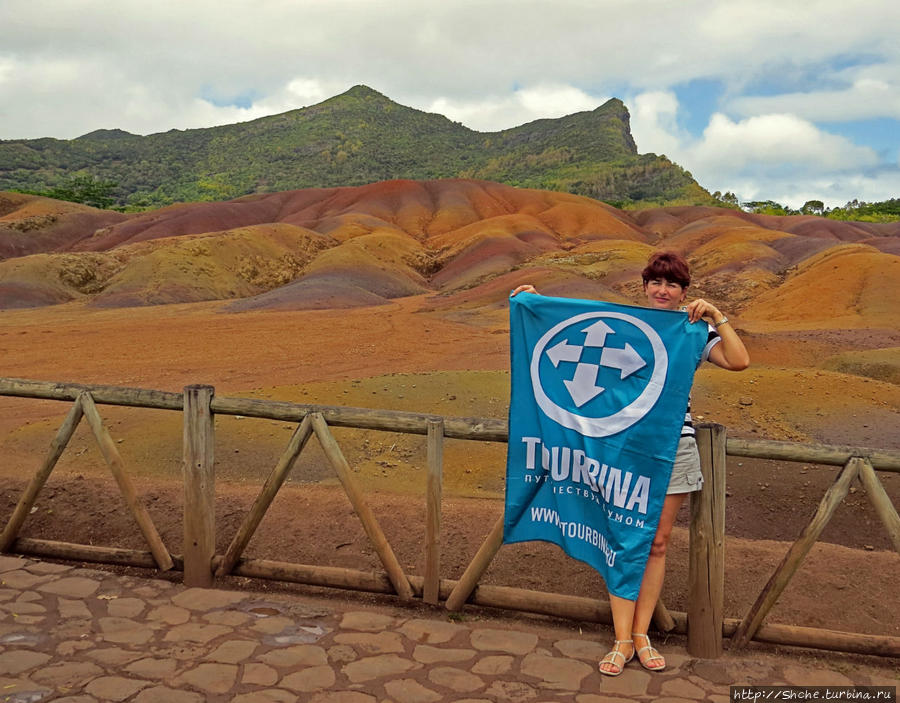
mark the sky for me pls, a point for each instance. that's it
(770, 99)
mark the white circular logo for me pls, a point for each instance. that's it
(579, 373)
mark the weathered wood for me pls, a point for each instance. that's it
(831, 454)
(484, 429)
(662, 618)
(474, 428)
(114, 461)
(795, 555)
(505, 597)
(477, 567)
(314, 575)
(274, 482)
(706, 566)
(433, 483)
(880, 500)
(103, 395)
(556, 605)
(816, 638)
(86, 552)
(199, 475)
(29, 496)
(370, 524)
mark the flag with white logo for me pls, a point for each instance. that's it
(599, 392)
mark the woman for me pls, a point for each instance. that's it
(666, 279)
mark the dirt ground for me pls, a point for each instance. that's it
(400, 357)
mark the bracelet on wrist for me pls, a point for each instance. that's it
(721, 322)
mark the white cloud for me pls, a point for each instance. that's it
(6, 69)
(782, 139)
(654, 123)
(460, 51)
(519, 107)
(773, 157)
(866, 98)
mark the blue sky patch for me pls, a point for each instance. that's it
(242, 100)
(879, 133)
(697, 100)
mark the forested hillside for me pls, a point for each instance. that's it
(355, 138)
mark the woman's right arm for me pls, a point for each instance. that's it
(524, 288)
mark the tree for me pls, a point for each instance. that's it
(768, 207)
(85, 189)
(813, 207)
(730, 198)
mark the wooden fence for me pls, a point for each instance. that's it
(703, 623)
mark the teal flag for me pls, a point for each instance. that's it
(598, 397)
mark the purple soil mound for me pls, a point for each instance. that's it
(22, 295)
(313, 293)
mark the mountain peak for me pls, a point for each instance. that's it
(107, 134)
(363, 92)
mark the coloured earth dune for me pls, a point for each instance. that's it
(343, 247)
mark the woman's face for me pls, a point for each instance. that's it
(664, 294)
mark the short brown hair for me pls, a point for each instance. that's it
(669, 265)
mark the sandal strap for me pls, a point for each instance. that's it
(651, 650)
(610, 657)
(654, 652)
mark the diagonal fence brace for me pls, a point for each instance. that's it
(29, 496)
(796, 554)
(281, 471)
(382, 547)
(114, 461)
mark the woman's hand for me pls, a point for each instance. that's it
(701, 308)
(730, 353)
(524, 288)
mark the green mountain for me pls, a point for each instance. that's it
(355, 138)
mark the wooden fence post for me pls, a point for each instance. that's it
(706, 567)
(433, 489)
(199, 487)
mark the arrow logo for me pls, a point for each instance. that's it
(564, 352)
(596, 334)
(583, 386)
(627, 360)
(589, 408)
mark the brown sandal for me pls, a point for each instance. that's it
(654, 654)
(610, 658)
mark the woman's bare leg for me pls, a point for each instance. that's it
(623, 618)
(655, 571)
(634, 616)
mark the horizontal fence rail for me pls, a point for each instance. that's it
(703, 623)
(485, 429)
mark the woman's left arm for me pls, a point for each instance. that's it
(730, 353)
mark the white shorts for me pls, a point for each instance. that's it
(686, 475)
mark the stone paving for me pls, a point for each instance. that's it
(78, 635)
